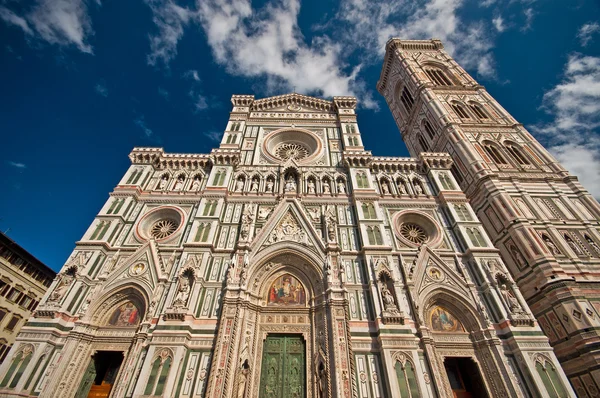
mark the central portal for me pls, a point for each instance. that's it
(283, 367)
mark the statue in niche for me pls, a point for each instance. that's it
(401, 187)
(510, 300)
(196, 184)
(163, 183)
(385, 188)
(254, 186)
(270, 184)
(245, 266)
(243, 378)
(247, 220)
(62, 287)
(388, 299)
(592, 244)
(230, 269)
(341, 187)
(311, 186)
(290, 184)
(239, 185)
(418, 188)
(321, 380)
(326, 187)
(183, 291)
(550, 245)
(179, 184)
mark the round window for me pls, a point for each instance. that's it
(414, 228)
(300, 145)
(413, 232)
(160, 223)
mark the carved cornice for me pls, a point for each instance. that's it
(357, 158)
(292, 99)
(436, 160)
(393, 164)
(159, 159)
(345, 102)
(242, 100)
(221, 156)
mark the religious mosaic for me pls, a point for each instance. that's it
(442, 320)
(287, 290)
(126, 315)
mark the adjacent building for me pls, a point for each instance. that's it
(23, 282)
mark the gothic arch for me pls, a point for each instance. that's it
(453, 301)
(102, 309)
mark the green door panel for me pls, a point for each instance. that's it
(283, 368)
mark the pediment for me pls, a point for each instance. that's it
(432, 270)
(288, 222)
(294, 102)
(144, 265)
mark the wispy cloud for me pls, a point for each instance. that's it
(573, 134)
(170, 20)
(586, 32)
(192, 74)
(499, 23)
(101, 89)
(163, 93)
(18, 165)
(529, 14)
(214, 135)
(148, 133)
(59, 22)
(200, 102)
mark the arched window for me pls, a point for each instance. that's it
(159, 373)
(494, 153)
(407, 99)
(515, 151)
(460, 110)
(133, 176)
(407, 381)
(369, 211)
(361, 180)
(437, 77)
(446, 181)
(374, 235)
(550, 378)
(209, 208)
(463, 213)
(476, 237)
(202, 232)
(423, 143)
(17, 367)
(478, 111)
(219, 177)
(378, 237)
(428, 129)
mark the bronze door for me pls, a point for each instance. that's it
(283, 367)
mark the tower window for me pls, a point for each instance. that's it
(456, 173)
(495, 154)
(438, 77)
(423, 143)
(460, 111)
(427, 127)
(517, 154)
(478, 111)
(407, 99)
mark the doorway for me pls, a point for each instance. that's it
(465, 378)
(283, 373)
(100, 375)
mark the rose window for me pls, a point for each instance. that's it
(164, 228)
(413, 233)
(291, 150)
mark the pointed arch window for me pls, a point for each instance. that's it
(515, 151)
(159, 373)
(361, 180)
(446, 181)
(407, 381)
(478, 111)
(463, 213)
(476, 237)
(369, 211)
(428, 129)
(494, 153)
(438, 77)
(407, 99)
(209, 208)
(17, 367)
(460, 110)
(374, 235)
(219, 178)
(202, 232)
(134, 177)
(551, 380)
(423, 143)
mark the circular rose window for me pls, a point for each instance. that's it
(297, 144)
(160, 223)
(414, 228)
(413, 232)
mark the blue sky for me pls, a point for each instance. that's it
(83, 82)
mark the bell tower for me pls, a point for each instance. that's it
(545, 224)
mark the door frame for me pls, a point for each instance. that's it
(287, 335)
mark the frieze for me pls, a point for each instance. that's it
(284, 115)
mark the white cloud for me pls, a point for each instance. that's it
(499, 23)
(214, 135)
(192, 74)
(18, 165)
(200, 102)
(529, 14)
(101, 89)
(170, 19)
(573, 135)
(586, 31)
(60, 22)
(148, 133)
(265, 44)
(13, 19)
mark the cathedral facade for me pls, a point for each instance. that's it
(291, 262)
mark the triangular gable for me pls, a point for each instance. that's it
(294, 102)
(431, 269)
(144, 265)
(288, 222)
